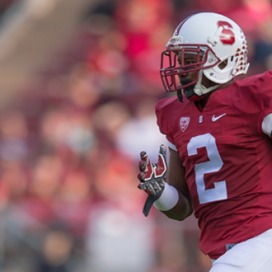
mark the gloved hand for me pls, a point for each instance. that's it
(152, 177)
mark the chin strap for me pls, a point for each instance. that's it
(180, 95)
(188, 91)
(196, 92)
(200, 90)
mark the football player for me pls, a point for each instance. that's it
(220, 153)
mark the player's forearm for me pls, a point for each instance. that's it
(181, 210)
(173, 203)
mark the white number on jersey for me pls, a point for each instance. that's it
(215, 163)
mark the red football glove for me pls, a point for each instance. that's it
(152, 177)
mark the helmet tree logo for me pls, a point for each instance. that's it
(227, 35)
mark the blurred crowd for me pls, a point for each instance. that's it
(69, 145)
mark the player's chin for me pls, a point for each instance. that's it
(192, 96)
(189, 93)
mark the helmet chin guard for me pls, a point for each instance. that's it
(219, 47)
(200, 89)
(197, 91)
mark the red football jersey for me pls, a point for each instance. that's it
(227, 158)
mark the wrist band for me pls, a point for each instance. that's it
(267, 125)
(168, 199)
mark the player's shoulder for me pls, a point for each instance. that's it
(249, 94)
(166, 102)
(255, 82)
(169, 104)
(167, 111)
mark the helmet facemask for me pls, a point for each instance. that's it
(175, 67)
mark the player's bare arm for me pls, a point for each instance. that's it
(176, 178)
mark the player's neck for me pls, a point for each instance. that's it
(201, 104)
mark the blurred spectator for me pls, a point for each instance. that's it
(223, 7)
(145, 26)
(108, 119)
(250, 14)
(13, 136)
(138, 19)
(67, 132)
(263, 47)
(81, 89)
(14, 150)
(56, 251)
(74, 201)
(5, 5)
(46, 177)
(141, 132)
(108, 64)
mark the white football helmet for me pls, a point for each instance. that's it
(221, 49)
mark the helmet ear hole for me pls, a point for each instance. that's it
(223, 64)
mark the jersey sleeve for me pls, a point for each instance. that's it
(255, 97)
(263, 91)
(164, 121)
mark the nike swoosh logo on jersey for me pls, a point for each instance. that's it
(215, 118)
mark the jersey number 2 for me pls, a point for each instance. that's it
(214, 164)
